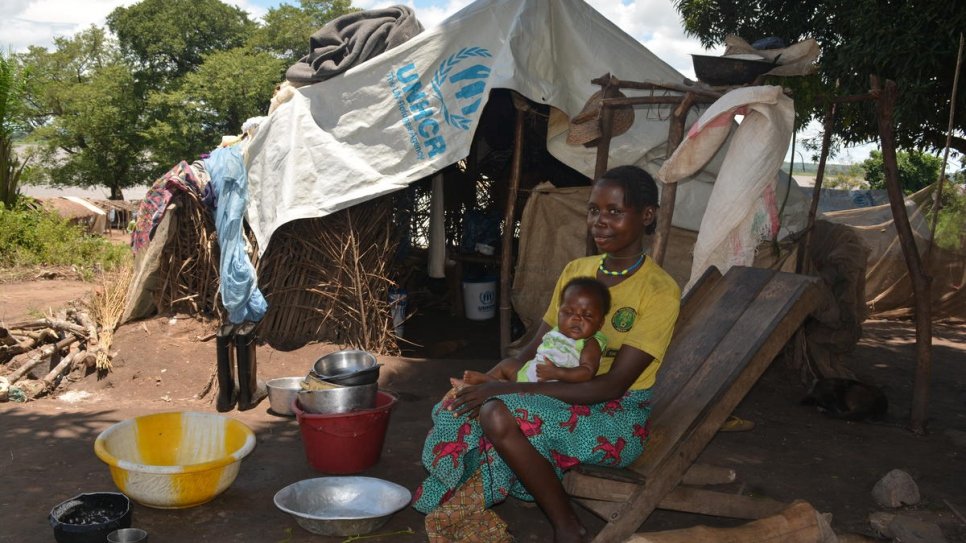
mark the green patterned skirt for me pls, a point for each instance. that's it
(610, 433)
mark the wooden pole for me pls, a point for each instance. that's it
(506, 251)
(605, 121)
(803, 263)
(675, 134)
(921, 283)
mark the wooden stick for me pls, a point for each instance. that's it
(65, 363)
(669, 190)
(506, 251)
(45, 353)
(803, 263)
(955, 511)
(799, 523)
(33, 340)
(921, 283)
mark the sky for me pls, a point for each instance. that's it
(654, 23)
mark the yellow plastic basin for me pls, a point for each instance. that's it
(174, 460)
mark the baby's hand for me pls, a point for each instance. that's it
(547, 372)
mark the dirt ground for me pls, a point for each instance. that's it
(163, 364)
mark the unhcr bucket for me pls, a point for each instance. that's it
(479, 298)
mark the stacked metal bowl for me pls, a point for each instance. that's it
(341, 382)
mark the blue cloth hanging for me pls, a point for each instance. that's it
(239, 285)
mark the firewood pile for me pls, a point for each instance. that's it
(37, 355)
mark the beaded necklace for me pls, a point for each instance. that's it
(626, 271)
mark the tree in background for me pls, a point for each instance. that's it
(167, 39)
(86, 113)
(917, 170)
(179, 75)
(287, 28)
(212, 101)
(913, 43)
(13, 83)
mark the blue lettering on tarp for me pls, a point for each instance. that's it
(422, 118)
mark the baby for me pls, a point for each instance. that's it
(569, 352)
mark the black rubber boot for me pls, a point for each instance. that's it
(226, 368)
(250, 391)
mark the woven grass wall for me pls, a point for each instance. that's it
(327, 279)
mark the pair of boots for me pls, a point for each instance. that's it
(236, 345)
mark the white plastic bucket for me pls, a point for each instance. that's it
(479, 299)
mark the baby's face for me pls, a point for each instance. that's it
(580, 313)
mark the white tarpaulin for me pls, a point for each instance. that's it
(411, 111)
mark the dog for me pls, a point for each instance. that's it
(847, 399)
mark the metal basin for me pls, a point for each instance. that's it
(342, 362)
(342, 506)
(338, 400)
(282, 391)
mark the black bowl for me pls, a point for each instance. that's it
(88, 518)
(729, 71)
(361, 377)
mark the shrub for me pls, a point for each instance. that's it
(30, 237)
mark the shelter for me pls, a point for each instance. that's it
(78, 211)
(434, 116)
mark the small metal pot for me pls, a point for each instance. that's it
(338, 400)
(282, 391)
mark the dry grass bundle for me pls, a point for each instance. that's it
(327, 279)
(106, 307)
(189, 263)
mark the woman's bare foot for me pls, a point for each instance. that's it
(477, 378)
(571, 536)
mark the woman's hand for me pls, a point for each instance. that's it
(469, 398)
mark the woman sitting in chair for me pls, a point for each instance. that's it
(499, 438)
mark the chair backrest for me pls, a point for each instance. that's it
(723, 324)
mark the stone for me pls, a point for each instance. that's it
(905, 529)
(896, 489)
(912, 530)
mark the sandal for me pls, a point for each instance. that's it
(736, 424)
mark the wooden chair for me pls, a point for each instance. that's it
(729, 330)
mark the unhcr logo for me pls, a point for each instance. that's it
(452, 99)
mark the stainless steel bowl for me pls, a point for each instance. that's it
(342, 362)
(342, 506)
(281, 393)
(338, 400)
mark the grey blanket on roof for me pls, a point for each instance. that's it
(352, 39)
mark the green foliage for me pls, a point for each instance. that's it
(850, 179)
(179, 75)
(39, 238)
(13, 83)
(88, 113)
(912, 43)
(166, 39)
(951, 224)
(917, 170)
(287, 28)
(228, 88)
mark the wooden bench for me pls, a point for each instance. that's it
(729, 330)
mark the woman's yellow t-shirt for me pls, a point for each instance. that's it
(644, 308)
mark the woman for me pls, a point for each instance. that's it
(502, 438)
